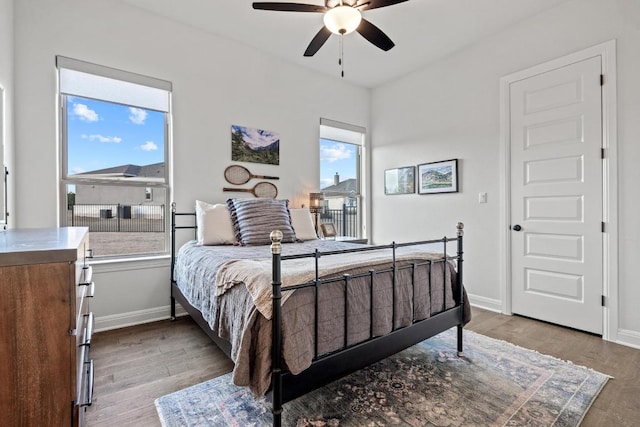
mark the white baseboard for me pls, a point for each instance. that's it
(628, 338)
(486, 303)
(122, 320)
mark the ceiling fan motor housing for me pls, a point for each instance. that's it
(342, 19)
(334, 3)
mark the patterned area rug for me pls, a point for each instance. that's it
(494, 384)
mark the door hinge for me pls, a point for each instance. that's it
(601, 79)
(602, 226)
(603, 300)
(602, 153)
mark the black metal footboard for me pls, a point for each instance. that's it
(329, 367)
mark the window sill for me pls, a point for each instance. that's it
(130, 263)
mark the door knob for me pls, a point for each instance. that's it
(516, 228)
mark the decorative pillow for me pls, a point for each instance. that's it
(214, 224)
(255, 219)
(302, 224)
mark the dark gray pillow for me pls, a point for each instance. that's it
(254, 219)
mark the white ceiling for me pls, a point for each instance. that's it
(423, 31)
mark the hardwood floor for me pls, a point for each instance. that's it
(134, 366)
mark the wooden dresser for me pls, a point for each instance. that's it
(46, 374)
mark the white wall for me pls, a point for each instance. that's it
(451, 110)
(216, 83)
(6, 82)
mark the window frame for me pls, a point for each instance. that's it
(334, 131)
(65, 179)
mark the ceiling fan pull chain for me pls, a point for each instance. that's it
(341, 59)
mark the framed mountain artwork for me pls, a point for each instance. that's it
(254, 145)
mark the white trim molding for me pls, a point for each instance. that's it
(607, 52)
(122, 320)
(485, 303)
(629, 338)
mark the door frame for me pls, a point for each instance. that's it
(607, 51)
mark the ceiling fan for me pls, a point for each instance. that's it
(340, 17)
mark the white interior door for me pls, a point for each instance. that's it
(556, 196)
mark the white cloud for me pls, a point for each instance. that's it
(137, 115)
(102, 138)
(85, 113)
(334, 153)
(77, 169)
(149, 146)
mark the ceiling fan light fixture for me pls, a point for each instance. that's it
(342, 19)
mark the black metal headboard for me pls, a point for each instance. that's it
(175, 227)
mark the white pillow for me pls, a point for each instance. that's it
(214, 224)
(302, 224)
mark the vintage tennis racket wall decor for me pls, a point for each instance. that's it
(262, 189)
(238, 175)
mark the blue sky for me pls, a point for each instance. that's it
(336, 157)
(103, 134)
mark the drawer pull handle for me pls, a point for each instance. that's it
(88, 385)
(87, 276)
(91, 290)
(89, 253)
(88, 332)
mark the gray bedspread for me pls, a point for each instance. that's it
(233, 314)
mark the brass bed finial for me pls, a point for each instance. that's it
(276, 239)
(173, 206)
(460, 229)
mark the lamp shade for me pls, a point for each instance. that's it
(316, 201)
(342, 19)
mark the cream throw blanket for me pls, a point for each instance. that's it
(256, 274)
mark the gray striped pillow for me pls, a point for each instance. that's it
(254, 219)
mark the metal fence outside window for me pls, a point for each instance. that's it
(117, 217)
(345, 220)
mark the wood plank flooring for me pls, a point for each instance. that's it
(135, 365)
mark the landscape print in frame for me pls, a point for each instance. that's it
(254, 145)
(438, 177)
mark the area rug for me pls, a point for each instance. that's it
(493, 384)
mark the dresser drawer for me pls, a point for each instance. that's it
(84, 363)
(84, 289)
(85, 386)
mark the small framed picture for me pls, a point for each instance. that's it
(328, 230)
(438, 177)
(400, 180)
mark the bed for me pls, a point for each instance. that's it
(294, 316)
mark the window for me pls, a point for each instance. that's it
(114, 157)
(340, 176)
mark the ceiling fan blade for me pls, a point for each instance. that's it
(318, 41)
(374, 35)
(289, 7)
(375, 4)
